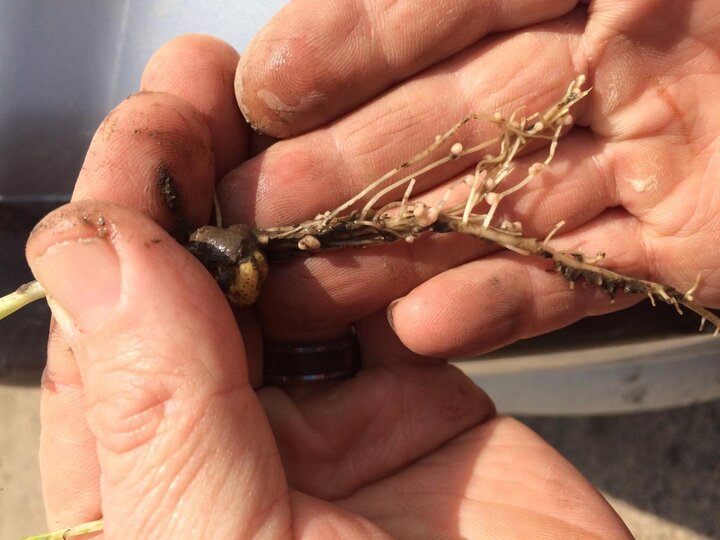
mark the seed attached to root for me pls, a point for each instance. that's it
(309, 242)
(425, 216)
(455, 150)
(235, 255)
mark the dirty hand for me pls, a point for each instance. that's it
(357, 87)
(148, 415)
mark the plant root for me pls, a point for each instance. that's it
(358, 222)
(22, 296)
(408, 220)
(76, 531)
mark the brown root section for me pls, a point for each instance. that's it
(359, 221)
(383, 212)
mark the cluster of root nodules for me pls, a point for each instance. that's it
(367, 218)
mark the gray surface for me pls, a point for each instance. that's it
(615, 377)
(65, 63)
(665, 463)
(21, 507)
(22, 346)
(660, 470)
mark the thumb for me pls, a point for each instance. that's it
(183, 444)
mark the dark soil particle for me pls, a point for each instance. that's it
(168, 188)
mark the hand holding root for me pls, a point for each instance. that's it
(236, 255)
(362, 221)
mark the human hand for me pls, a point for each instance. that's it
(150, 420)
(635, 179)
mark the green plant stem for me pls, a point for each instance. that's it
(24, 294)
(70, 532)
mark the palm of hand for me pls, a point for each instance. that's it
(651, 144)
(411, 447)
(656, 125)
(633, 180)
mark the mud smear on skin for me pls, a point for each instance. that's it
(167, 188)
(80, 214)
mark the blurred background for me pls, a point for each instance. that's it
(631, 399)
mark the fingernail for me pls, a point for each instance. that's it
(389, 313)
(82, 277)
